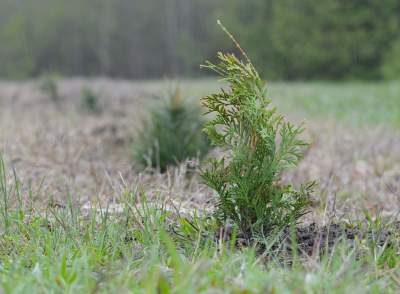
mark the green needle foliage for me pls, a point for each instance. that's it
(262, 145)
(171, 133)
(90, 101)
(48, 84)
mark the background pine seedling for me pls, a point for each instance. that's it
(90, 101)
(171, 133)
(261, 146)
(48, 84)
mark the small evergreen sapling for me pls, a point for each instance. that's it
(48, 84)
(261, 144)
(171, 133)
(91, 101)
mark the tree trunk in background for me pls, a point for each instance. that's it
(185, 15)
(104, 46)
(172, 36)
(77, 58)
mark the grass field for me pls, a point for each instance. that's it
(78, 216)
(353, 104)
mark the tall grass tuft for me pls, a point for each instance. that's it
(146, 249)
(171, 133)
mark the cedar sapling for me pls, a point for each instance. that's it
(261, 144)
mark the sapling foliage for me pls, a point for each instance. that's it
(172, 133)
(261, 147)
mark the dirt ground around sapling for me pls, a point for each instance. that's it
(311, 240)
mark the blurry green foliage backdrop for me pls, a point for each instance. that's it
(286, 39)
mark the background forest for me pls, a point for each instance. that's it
(287, 39)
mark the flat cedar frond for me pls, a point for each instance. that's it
(247, 186)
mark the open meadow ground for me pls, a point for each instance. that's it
(79, 216)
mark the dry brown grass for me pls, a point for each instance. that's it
(41, 136)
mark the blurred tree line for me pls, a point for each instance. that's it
(286, 39)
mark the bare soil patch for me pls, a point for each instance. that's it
(315, 241)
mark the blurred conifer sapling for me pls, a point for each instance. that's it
(171, 133)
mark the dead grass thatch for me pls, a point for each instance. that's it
(90, 155)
